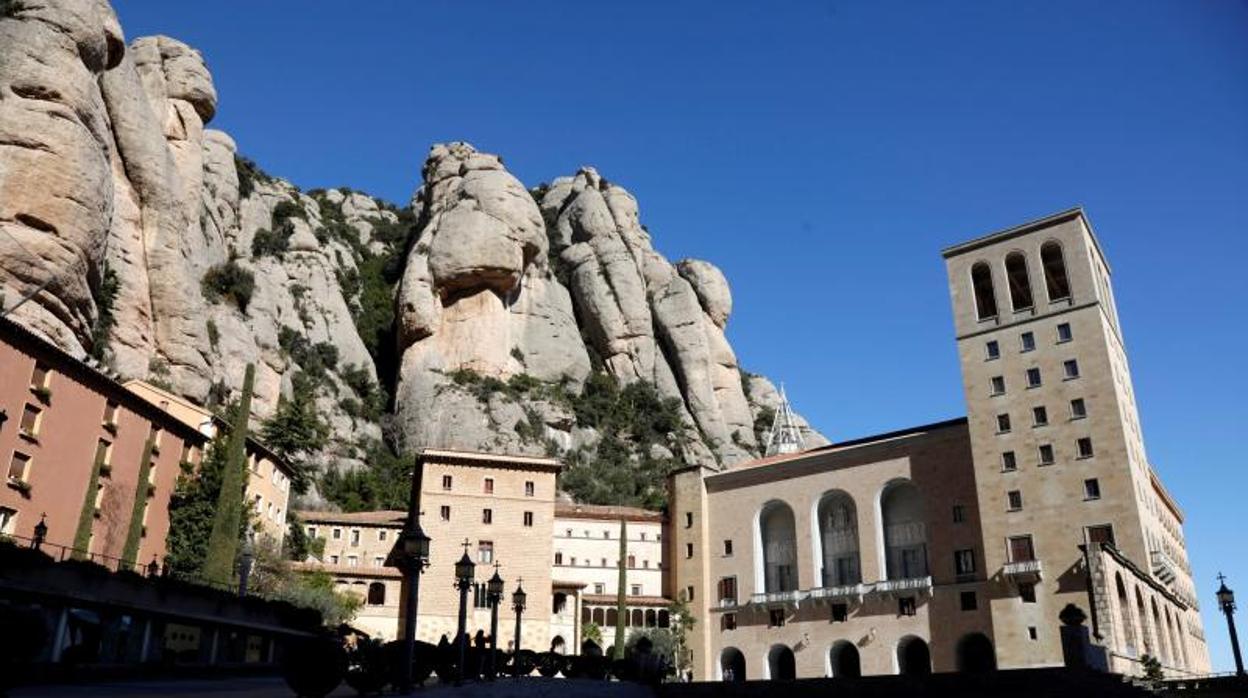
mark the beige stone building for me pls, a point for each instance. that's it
(954, 546)
(356, 546)
(268, 476)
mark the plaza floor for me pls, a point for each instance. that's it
(273, 687)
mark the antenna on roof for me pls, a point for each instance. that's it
(785, 436)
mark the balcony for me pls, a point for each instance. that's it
(836, 593)
(1163, 566)
(779, 597)
(728, 603)
(903, 586)
(1022, 570)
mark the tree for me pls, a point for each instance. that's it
(621, 610)
(223, 540)
(1152, 668)
(142, 493)
(273, 577)
(592, 633)
(682, 622)
(193, 507)
(296, 429)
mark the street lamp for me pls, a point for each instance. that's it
(410, 555)
(153, 568)
(518, 598)
(494, 592)
(1226, 601)
(41, 532)
(463, 581)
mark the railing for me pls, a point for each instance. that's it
(728, 603)
(794, 596)
(841, 591)
(892, 586)
(1163, 566)
(1022, 568)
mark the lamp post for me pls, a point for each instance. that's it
(463, 581)
(410, 555)
(494, 593)
(153, 568)
(41, 532)
(518, 598)
(1226, 601)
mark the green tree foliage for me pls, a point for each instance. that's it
(248, 174)
(662, 642)
(1152, 668)
(105, 302)
(192, 508)
(86, 516)
(273, 577)
(385, 484)
(299, 546)
(591, 632)
(682, 622)
(271, 243)
(142, 493)
(228, 281)
(295, 430)
(223, 540)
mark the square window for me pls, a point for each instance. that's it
(337, 534)
(1084, 447)
(8, 520)
(30, 420)
(1091, 489)
(969, 602)
(1046, 454)
(728, 591)
(110, 413)
(18, 467)
(444, 513)
(1021, 549)
(485, 552)
(635, 590)
(1003, 423)
(528, 519)
(775, 618)
(1063, 333)
(959, 513)
(1078, 410)
(489, 485)
(906, 606)
(1014, 500)
(1039, 416)
(728, 621)
(727, 548)
(559, 561)
(997, 384)
(1008, 462)
(688, 551)
(992, 350)
(381, 535)
(1028, 341)
(1033, 378)
(446, 482)
(599, 587)
(1027, 592)
(689, 593)
(840, 612)
(1031, 632)
(964, 561)
(529, 488)
(1103, 534)
(39, 376)
(1071, 368)
(487, 516)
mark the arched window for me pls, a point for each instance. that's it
(612, 617)
(1019, 281)
(1178, 627)
(652, 618)
(586, 615)
(838, 538)
(1163, 642)
(732, 665)
(376, 594)
(1124, 609)
(1054, 264)
(905, 534)
(976, 655)
(781, 665)
(600, 617)
(844, 660)
(913, 657)
(638, 618)
(985, 294)
(664, 619)
(1145, 631)
(779, 540)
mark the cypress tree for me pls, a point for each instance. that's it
(86, 517)
(223, 541)
(620, 608)
(130, 552)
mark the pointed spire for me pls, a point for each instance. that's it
(785, 436)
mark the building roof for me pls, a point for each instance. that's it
(1023, 229)
(569, 510)
(852, 443)
(341, 570)
(91, 374)
(611, 600)
(496, 460)
(565, 584)
(1162, 492)
(252, 441)
(385, 517)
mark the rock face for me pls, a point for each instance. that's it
(118, 201)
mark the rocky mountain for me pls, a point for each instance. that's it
(484, 315)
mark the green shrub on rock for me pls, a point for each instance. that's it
(228, 281)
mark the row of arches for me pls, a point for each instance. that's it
(634, 618)
(902, 535)
(1148, 629)
(912, 657)
(1018, 280)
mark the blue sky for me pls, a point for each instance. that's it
(822, 154)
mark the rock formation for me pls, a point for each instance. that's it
(132, 232)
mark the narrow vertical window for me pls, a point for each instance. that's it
(985, 295)
(1055, 278)
(1018, 280)
(992, 350)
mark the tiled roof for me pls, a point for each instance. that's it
(611, 600)
(568, 510)
(348, 571)
(359, 518)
